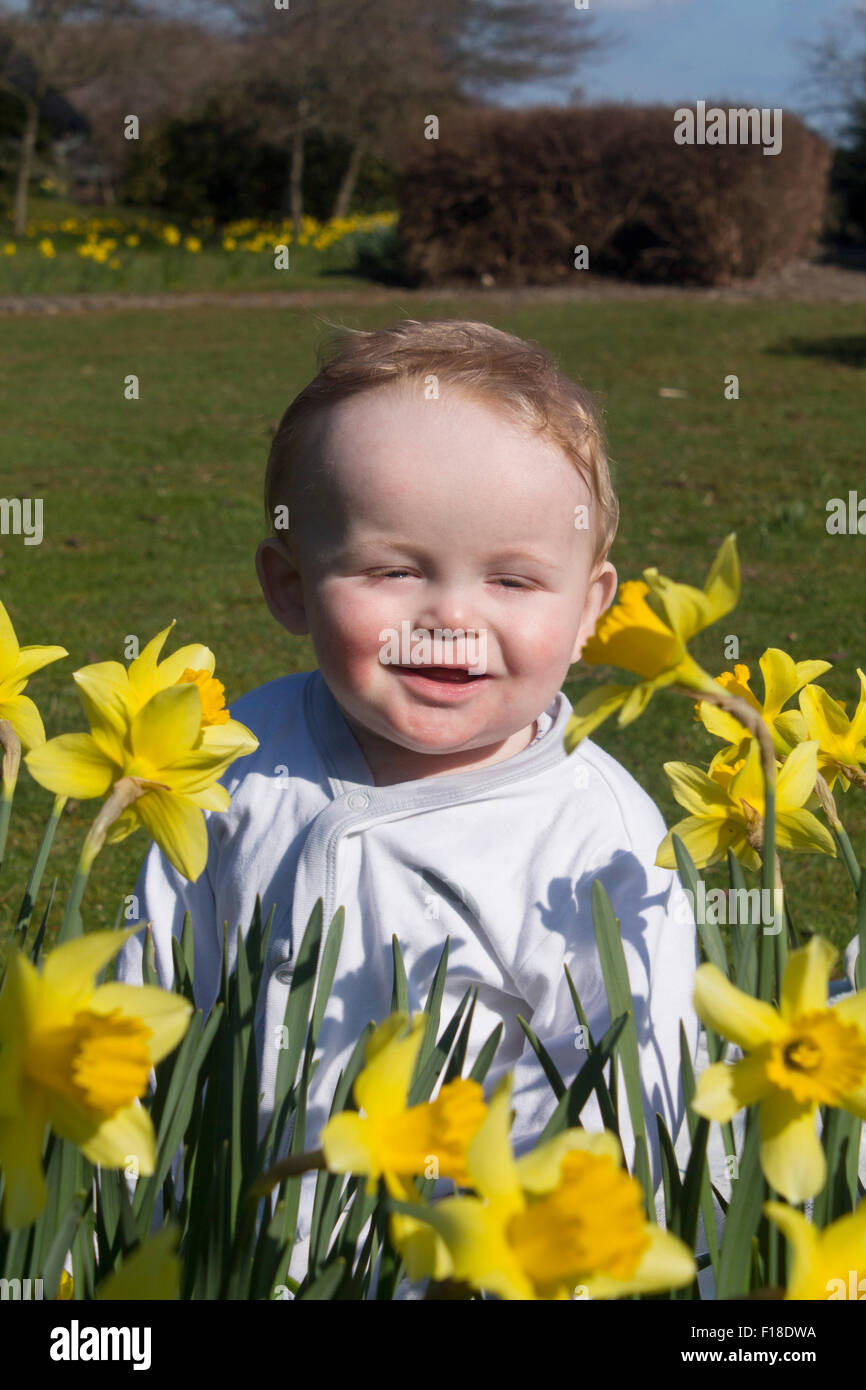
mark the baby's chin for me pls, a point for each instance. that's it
(437, 732)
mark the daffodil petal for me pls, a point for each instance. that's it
(167, 1015)
(827, 722)
(193, 657)
(72, 765)
(723, 581)
(807, 978)
(72, 967)
(667, 1263)
(346, 1141)
(728, 1011)
(724, 1088)
(490, 1158)
(695, 791)
(638, 698)
(142, 673)
(804, 1241)
(103, 688)
(32, 659)
(25, 719)
(212, 798)
(167, 725)
(796, 780)
(748, 783)
(792, 1159)
(591, 711)
(382, 1087)
(178, 828)
(803, 832)
(128, 1134)
(789, 729)
(481, 1256)
(783, 677)
(8, 644)
(706, 841)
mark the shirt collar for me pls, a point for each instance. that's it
(345, 764)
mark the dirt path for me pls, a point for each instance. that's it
(807, 282)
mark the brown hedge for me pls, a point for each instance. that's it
(511, 193)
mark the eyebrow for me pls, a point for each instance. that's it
(516, 553)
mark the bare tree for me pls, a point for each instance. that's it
(835, 69)
(369, 72)
(35, 58)
(159, 67)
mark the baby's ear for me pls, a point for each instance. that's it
(599, 596)
(281, 585)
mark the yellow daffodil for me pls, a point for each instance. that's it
(162, 724)
(727, 808)
(798, 1057)
(783, 678)
(828, 1264)
(17, 664)
(841, 741)
(395, 1142)
(162, 749)
(77, 1056)
(565, 1215)
(646, 632)
(111, 690)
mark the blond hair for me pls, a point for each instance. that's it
(509, 373)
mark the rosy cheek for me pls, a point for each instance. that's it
(349, 627)
(538, 642)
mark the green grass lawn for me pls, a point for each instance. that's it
(153, 509)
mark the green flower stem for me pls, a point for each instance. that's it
(290, 1167)
(768, 948)
(123, 793)
(855, 873)
(780, 940)
(26, 910)
(8, 791)
(847, 855)
(860, 968)
(840, 835)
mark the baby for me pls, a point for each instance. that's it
(449, 516)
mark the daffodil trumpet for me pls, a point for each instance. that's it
(76, 1056)
(565, 1215)
(797, 1057)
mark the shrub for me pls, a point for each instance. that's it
(511, 193)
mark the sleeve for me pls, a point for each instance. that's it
(161, 899)
(659, 942)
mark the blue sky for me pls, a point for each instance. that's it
(680, 50)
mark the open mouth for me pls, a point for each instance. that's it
(451, 675)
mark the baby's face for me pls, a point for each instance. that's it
(437, 515)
